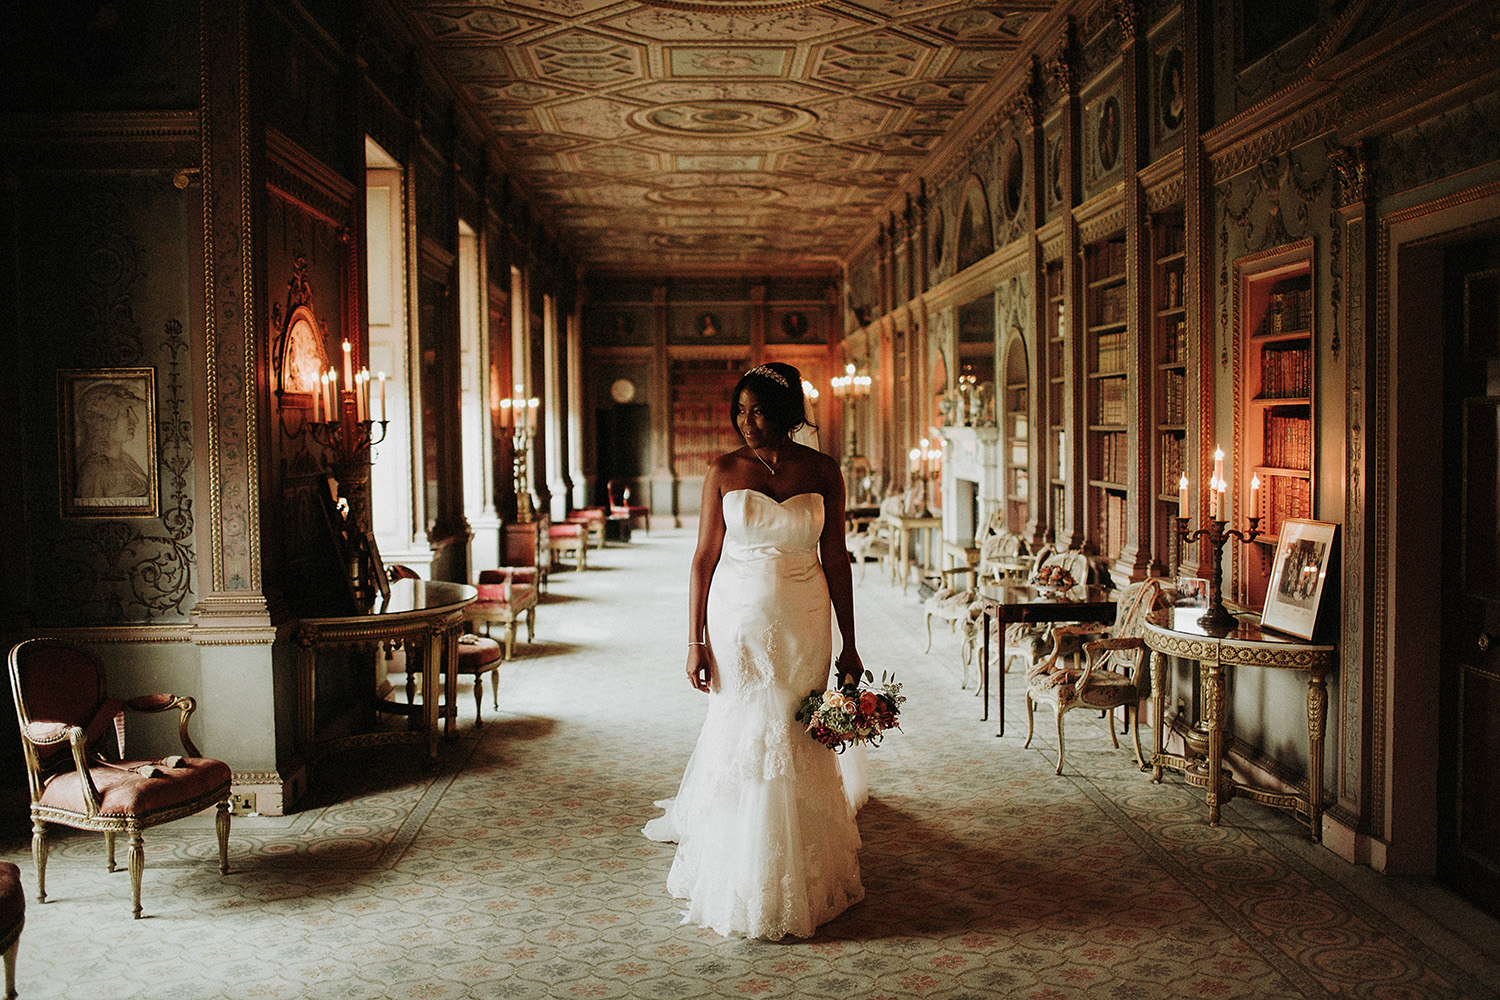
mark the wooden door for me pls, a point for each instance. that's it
(1469, 785)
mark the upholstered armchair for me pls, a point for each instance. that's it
(1111, 675)
(865, 541)
(504, 600)
(620, 505)
(78, 774)
(571, 539)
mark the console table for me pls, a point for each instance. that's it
(424, 616)
(1176, 632)
(905, 526)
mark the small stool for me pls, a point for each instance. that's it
(478, 656)
(12, 919)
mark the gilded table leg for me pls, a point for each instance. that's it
(1317, 717)
(1213, 696)
(984, 665)
(429, 650)
(450, 678)
(1159, 700)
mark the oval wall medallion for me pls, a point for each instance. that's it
(731, 118)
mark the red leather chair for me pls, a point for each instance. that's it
(66, 723)
(620, 505)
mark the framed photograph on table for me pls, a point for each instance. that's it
(106, 438)
(1304, 554)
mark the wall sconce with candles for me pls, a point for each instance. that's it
(335, 412)
(851, 388)
(1217, 620)
(518, 415)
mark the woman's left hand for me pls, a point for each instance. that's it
(849, 667)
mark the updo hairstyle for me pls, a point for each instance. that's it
(778, 386)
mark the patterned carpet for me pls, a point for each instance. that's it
(517, 869)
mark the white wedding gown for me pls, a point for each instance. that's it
(764, 817)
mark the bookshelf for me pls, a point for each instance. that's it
(1017, 439)
(1107, 440)
(701, 428)
(1169, 390)
(1057, 488)
(1275, 392)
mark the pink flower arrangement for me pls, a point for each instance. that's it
(1053, 577)
(842, 717)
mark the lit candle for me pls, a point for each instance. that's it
(1213, 499)
(916, 459)
(359, 396)
(531, 405)
(1182, 497)
(328, 396)
(1218, 465)
(317, 406)
(382, 397)
(504, 411)
(1254, 496)
(348, 366)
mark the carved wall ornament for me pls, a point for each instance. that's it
(1127, 16)
(1353, 169)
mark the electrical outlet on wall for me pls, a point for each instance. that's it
(242, 803)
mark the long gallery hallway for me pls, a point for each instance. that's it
(517, 868)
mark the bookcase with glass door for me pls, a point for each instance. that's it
(1275, 393)
(1108, 400)
(1169, 388)
(1056, 490)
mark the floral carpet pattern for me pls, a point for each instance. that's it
(517, 869)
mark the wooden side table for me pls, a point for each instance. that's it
(1176, 632)
(906, 525)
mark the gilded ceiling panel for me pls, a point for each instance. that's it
(754, 133)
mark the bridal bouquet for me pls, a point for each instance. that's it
(839, 718)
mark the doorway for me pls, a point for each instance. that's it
(1469, 689)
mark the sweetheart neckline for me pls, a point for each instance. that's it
(779, 503)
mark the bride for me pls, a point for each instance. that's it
(764, 816)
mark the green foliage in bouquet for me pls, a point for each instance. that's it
(842, 717)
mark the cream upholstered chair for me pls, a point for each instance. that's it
(73, 740)
(1111, 675)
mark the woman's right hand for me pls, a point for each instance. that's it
(700, 667)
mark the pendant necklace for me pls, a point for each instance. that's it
(769, 467)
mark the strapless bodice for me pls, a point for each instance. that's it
(757, 526)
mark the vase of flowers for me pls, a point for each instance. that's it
(1053, 581)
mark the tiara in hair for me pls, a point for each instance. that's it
(766, 371)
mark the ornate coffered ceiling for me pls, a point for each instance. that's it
(708, 135)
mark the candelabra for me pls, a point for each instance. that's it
(518, 415)
(926, 465)
(1217, 620)
(342, 419)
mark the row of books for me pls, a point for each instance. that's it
(1109, 305)
(1287, 311)
(1173, 241)
(1112, 408)
(1173, 450)
(1173, 341)
(1174, 397)
(1108, 259)
(1285, 372)
(1112, 457)
(1282, 497)
(1109, 352)
(1288, 442)
(1111, 533)
(1171, 289)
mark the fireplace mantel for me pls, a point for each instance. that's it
(971, 454)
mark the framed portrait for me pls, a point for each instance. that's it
(1304, 553)
(1107, 134)
(106, 439)
(1192, 592)
(1171, 93)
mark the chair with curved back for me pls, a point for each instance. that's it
(620, 505)
(79, 775)
(1111, 675)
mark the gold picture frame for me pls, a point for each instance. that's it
(1299, 572)
(106, 441)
